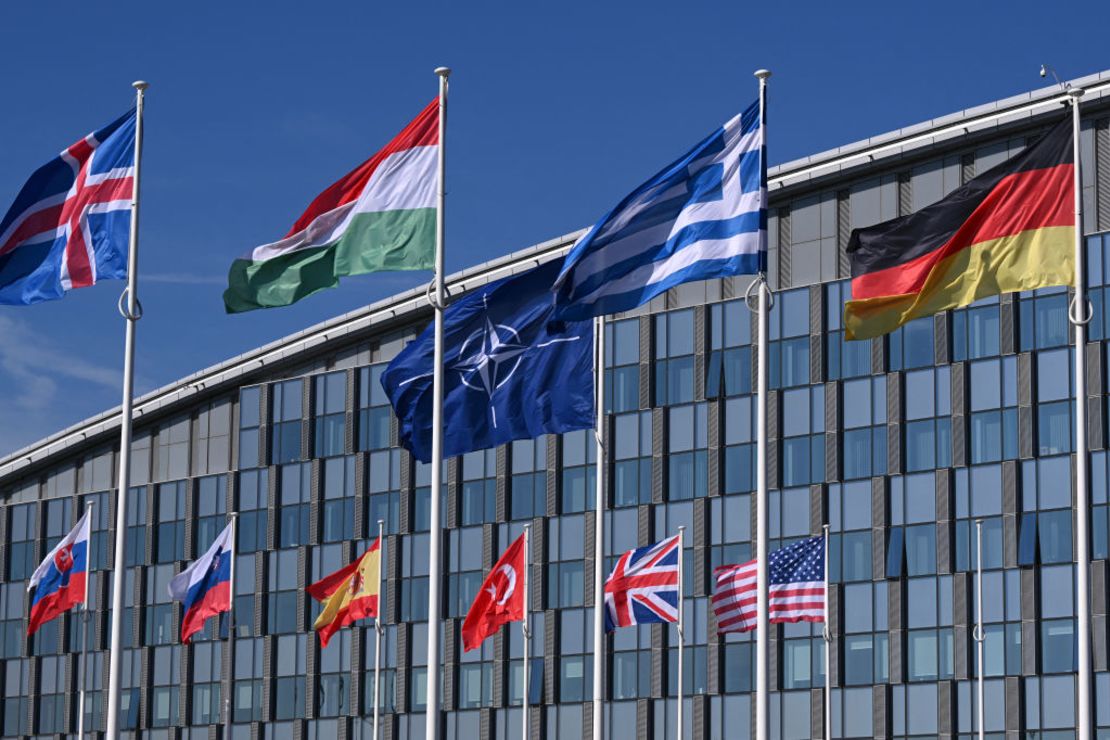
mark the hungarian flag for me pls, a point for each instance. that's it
(380, 216)
(1010, 229)
(349, 594)
(499, 600)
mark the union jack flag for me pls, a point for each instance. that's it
(69, 224)
(643, 586)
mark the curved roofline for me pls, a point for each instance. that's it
(785, 179)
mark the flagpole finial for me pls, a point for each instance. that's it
(443, 71)
(762, 73)
(140, 84)
(1076, 92)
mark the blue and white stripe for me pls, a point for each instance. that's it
(704, 216)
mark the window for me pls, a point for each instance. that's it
(250, 402)
(1044, 533)
(58, 521)
(288, 411)
(464, 569)
(414, 579)
(170, 531)
(630, 677)
(385, 491)
(52, 694)
(1100, 511)
(865, 438)
(1055, 425)
(11, 619)
(422, 496)
(253, 519)
(207, 662)
(475, 677)
(688, 461)
(730, 530)
(575, 670)
(22, 533)
(911, 345)
(333, 695)
(211, 511)
(281, 597)
(928, 440)
(622, 362)
(739, 450)
(788, 354)
(803, 443)
(729, 370)
(374, 411)
(1001, 622)
(565, 550)
(1057, 611)
(978, 497)
(975, 330)
(136, 526)
(289, 686)
(694, 653)
(993, 393)
(529, 478)
(98, 536)
(912, 544)
(674, 357)
(17, 693)
(331, 413)
(159, 607)
(632, 459)
(929, 645)
(850, 531)
(296, 488)
(579, 471)
(339, 498)
(479, 487)
(165, 666)
(212, 441)
(803, 656)
(843, 358)
(866, 656)
(1043, 319)
(247, 694)
(173, 450)
(387, 690)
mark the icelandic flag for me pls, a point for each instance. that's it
(69, 225)
(643, 587)
(205, 586)
(511, 370)
(60, 579)
(704, 216)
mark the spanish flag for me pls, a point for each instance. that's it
(349, 594)
(1010, 229)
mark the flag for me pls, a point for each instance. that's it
(704, 216)
(499, 600)
(1010, 229)
(349, 594)
(204, 588)
(511, 370)
(795, 588)
(643, 586)
(59, 581)
(69, 225)
(380, 216)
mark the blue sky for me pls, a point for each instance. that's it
(557, 110)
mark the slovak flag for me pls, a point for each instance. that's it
(205, 586)
(59, 581)
(499, 600)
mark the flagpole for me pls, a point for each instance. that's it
(525, 631)
(599, 525)
(234, 520)
(828, 645)
(131, 313)
(378, 628)
(761, 702)
(84, 632)
(435, 534)
(1083, 511)
(681, 630)
(979, 636)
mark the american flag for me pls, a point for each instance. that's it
(643, 586)
(796, 588)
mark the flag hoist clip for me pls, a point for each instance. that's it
(760, 283)
(1072, 309)
(124, 311)
(430, 294)
(1074, 94)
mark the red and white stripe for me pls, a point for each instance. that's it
(734, 599)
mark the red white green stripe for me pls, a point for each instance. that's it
(380, 216)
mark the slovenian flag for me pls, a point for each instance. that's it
(59, 581)
(205, 586)
(380, 216)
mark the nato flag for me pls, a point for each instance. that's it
(510, 370)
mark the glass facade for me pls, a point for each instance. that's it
(899, 445)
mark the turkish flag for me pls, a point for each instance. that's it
(499, 600)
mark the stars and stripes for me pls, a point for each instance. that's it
(68, 226)
(796, 588)
(643, 586)
(704, 216)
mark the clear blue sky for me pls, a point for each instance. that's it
(557, 110)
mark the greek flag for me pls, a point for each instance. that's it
(704, 216)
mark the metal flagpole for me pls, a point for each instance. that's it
(233, 518)
(681, 631)
(1083, 510)
(132, 312)
(84, 637)
(761, 701)
(378, 628)
(828, 645)
(599, 524)
(435, 534)
(979, 636)
(525, 631)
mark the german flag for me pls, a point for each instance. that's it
(1010, 229)
(349, 594)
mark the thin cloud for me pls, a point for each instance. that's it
(182, 278)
